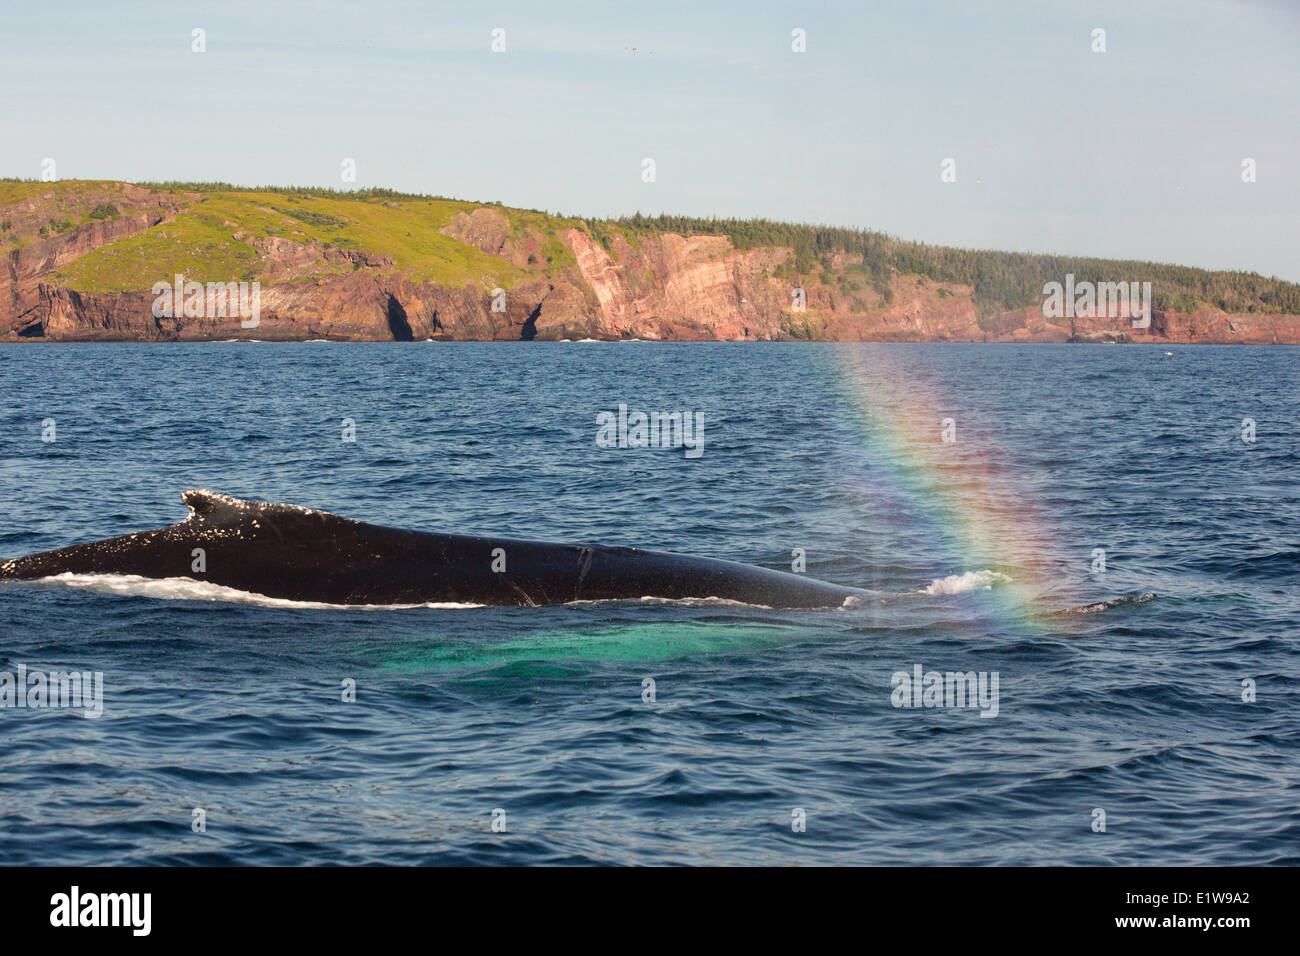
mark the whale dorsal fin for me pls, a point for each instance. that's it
(211, 506)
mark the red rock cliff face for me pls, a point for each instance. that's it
(673, 287)
(665, 287)
(383, 306)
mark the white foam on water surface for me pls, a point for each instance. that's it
(188, 589)
(970, 581)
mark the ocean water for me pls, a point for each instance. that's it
(1074, 475)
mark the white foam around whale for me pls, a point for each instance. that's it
(188, 589)
(970, 581)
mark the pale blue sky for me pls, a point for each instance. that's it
(1135, 152)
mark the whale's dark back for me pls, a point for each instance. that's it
(285, 551)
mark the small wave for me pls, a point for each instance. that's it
(188, 589)
(970, 581)
(1146, 597)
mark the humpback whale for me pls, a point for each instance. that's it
(290, 552)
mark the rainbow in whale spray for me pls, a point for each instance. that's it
(936, 465)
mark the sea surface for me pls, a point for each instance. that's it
(979, 491)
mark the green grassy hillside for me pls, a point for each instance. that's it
(201, 241)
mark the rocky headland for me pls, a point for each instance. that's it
(84, 260)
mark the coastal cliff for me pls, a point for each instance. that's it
(83, 260)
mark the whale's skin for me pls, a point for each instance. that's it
(300, 554)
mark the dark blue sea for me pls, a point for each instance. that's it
(979, 491)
